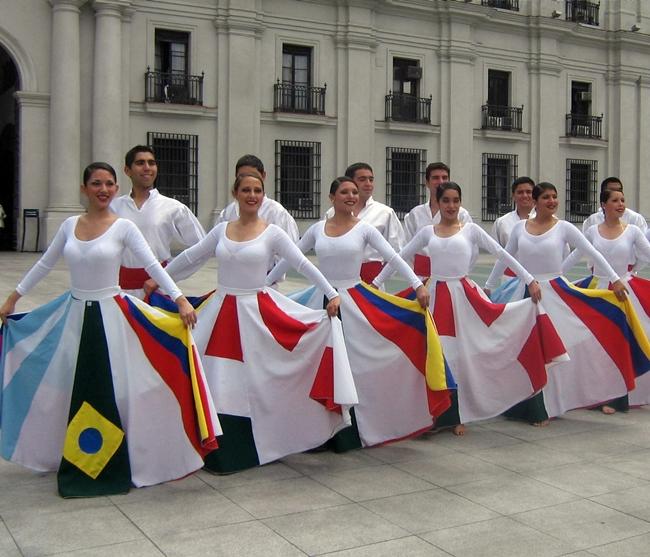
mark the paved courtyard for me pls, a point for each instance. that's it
(579, 487)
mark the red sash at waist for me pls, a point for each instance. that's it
(509, 272)
(422, 265)
(370, 269)
(132, 278)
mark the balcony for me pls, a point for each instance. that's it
(582, 11)
(175, 88)
(507, 118)
(289, 97)
(503, 4)
(582, 125)
(401, 107)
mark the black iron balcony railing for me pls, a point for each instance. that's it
(582, 11)
(503, 4)
(582, 125)
(171, 87)
(495, 117)
(289, 97)
(401, 107)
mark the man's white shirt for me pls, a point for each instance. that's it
(270, 211)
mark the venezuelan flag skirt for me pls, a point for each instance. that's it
(109, 393)
(278, 371)
(639, 296)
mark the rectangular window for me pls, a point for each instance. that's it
(503, 4)
(405, 104)
(498, 88)
(297, 177)
(405, 177)
(499, 171)
(581, 177)
(172, 51)
(582, 11)
(178, 163)
(296, 94)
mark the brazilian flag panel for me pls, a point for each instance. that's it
(95, 458)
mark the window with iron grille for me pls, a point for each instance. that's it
(297, 177)
(499, 171)
(581, 193)
(178, 162)
(405, 177)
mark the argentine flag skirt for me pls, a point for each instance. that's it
(110, 393)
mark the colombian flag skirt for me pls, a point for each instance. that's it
(278, 371)
(108, 393)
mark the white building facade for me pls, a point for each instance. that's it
(556, 90)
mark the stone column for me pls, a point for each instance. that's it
(107, 82)
(65, 116)
(126, 96)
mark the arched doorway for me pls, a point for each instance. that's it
(9, 83)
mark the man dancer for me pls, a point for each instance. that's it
(428, 214)
(522, 195)
(613, 183)
(381, 216)
(161, 219)
(270, 211)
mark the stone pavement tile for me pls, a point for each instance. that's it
(509, 494)
(525, 458)
(586, 479)
(590, 445)
(247, 539)
(8, 546)
(137, 548)
(429, 510)
(12, 474)
(40, 496)
(424, 446)
(410, 546)
(631, 547)
(500, 537)
(267, 473)
(475, 439)
(329, 462)
(576, 421)
(333, 529)
(584, 524)
(46, 534)
(635, 463)
(452, 469)
(634, 501)
(268, 499)
(372, 482)
(187, 504)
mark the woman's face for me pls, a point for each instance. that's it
(546, 202)
(615, 205)
(449, 204)
(100, 189)
(249, 194)
(345, 197)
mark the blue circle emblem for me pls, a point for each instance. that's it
(90, 440)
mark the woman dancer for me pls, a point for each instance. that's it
(279, 370)
(394, 401)
(606, 350)
(622, 245)
(497, 352)
(97, 384)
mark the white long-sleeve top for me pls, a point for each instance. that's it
(243, 265)
(270, 211)
(421, 216)
(162, 221)
(452, 257)
(384, 219)
(340, 257)
(543, 254)
(95, 264)
(503, 226)
(621, 252)
(629, 217)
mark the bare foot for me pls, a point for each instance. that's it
(606, 409)
(459, 430)
(543, 423)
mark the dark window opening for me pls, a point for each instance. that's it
(499, 171)
(405, 177)
(297, 177)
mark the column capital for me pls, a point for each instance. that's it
(67, 4)
(242, 21)
(117, 7)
